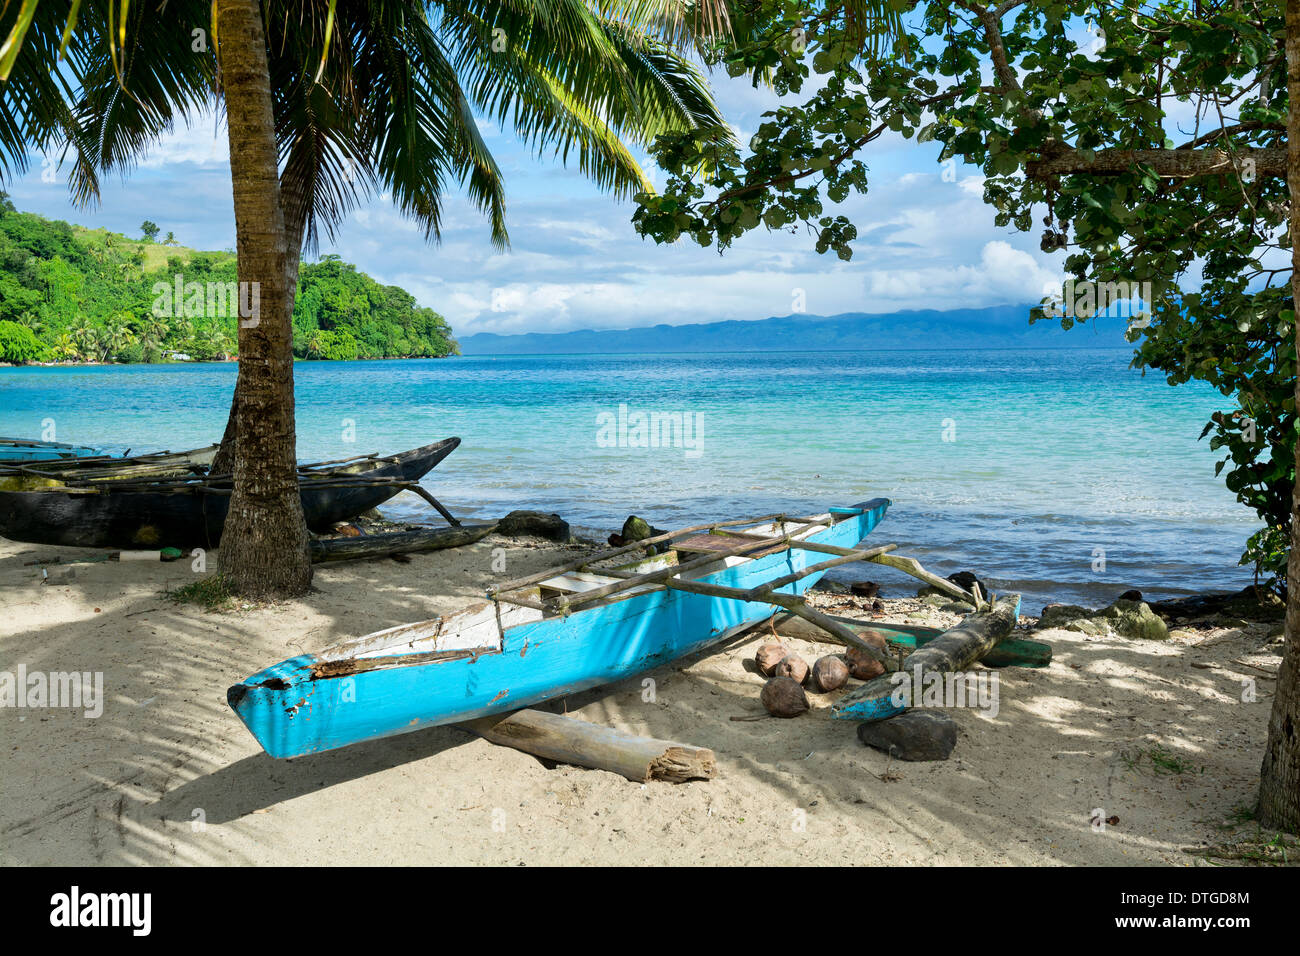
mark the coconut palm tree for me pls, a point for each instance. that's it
(179, 331)
(115, 338)
(31, 321)
(84, 333)
(150, 331)
(65, 348)
(315, 344)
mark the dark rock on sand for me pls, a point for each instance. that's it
(1058, 615)
(537, 523)
(912, 735)
(637, 529)
(967, 580)
(1249, 603)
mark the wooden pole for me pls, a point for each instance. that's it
(907, 565)
(389, 543)
(572, 741)
(913, 567)
(417, 489)
(1008, 653)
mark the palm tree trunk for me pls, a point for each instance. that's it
(264, 543)
(294, 204)
(1279, 784)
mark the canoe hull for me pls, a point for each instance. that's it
(163, 464)
(190, 516)
(18, 449)
(292, 712)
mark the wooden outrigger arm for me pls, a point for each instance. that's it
(584, 562)
(793, 603)
(632, 579)
(899, 562)
(913, 567)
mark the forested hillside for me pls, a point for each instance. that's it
(88, 295)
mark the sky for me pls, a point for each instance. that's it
(926, 240)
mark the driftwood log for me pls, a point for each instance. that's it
(1008, 653)
(385, 544)
(953, 650)
(572, 741)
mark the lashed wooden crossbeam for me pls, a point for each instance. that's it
(849, 555)
(907, 565)
(588, 560)
(758, 592)
(565, 603)
(793, 603)
(769, 594)
(901, 563)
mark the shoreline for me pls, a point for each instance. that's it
(168, 775)
(553, 355)
(233, 360)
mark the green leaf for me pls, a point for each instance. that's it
(14, 42)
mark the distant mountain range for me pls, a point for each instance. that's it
(1003, 326)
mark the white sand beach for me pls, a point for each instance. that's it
(168, 775)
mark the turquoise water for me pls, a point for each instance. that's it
(1022, 465)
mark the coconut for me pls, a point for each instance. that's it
(874, 638)
(829, 673)
(792, 666)
(783, 697)
(768, 656)
(862, 666)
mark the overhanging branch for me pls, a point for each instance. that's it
(1166, 163)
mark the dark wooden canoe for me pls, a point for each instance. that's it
(131, 514)
(385, 544)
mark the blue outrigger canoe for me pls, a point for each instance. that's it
(548, 635)
(24, 449)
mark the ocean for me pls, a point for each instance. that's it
(1064, 474)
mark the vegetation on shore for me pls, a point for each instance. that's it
(70, 294)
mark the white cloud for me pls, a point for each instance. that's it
(203, 141)
(1004, 275)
